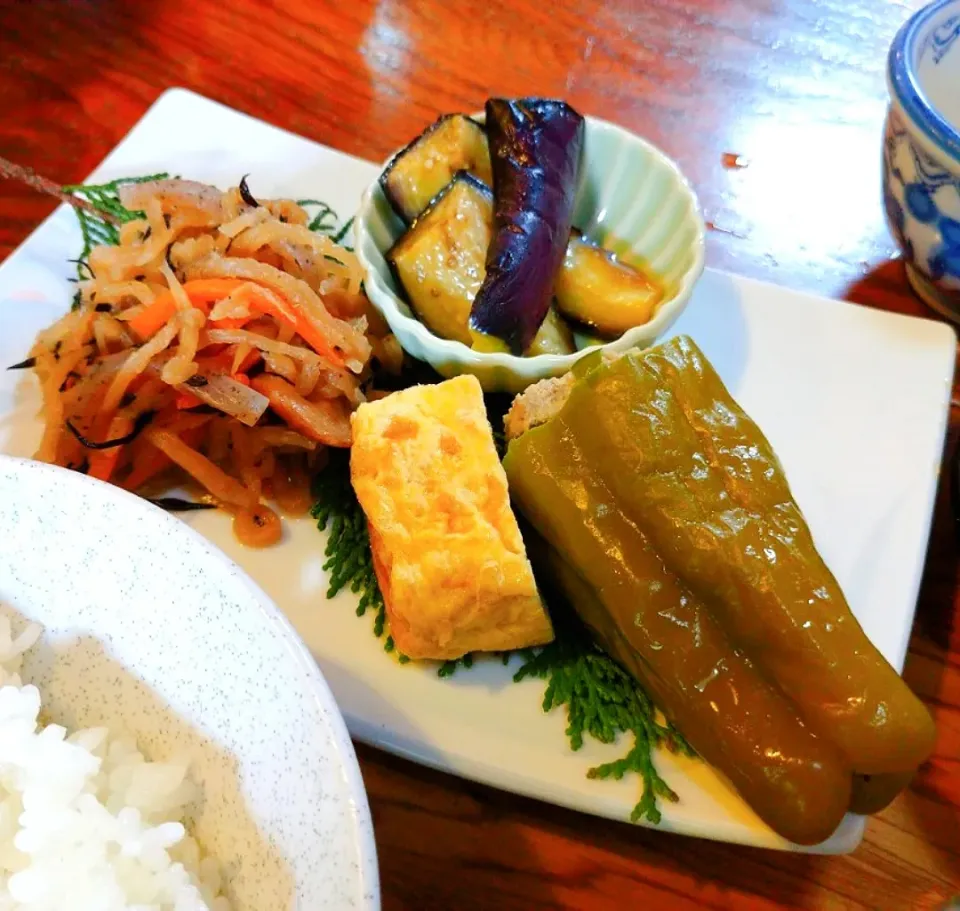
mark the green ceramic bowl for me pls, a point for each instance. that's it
(632, 199)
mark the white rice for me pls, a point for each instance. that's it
(87, 823)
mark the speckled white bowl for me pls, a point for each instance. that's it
(151, 630)
(632, 198)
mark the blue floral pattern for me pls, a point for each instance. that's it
(941, 39)
(946, 259)
(897, 221)
(922, 204)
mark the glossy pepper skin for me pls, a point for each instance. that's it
(652, 480)
(701, 480)
(871, 793)
(644, 616)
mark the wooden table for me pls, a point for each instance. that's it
(774, 109)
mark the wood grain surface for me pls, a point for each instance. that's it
(774, 109)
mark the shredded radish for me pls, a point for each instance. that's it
(218, 341)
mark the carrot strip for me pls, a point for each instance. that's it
(186, 400)
(202, 292)
(245, 364)
(270, 303)
(312, 336)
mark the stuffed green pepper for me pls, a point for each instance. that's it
(665, 501)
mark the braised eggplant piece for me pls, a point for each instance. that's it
(535, 147)
(596, 289)
(439, 262)
(420, 171)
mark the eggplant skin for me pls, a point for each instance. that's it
(424, 167)
(439, 264)
(536, 146)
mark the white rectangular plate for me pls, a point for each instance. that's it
(853, 400)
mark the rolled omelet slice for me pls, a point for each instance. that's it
(447, 550)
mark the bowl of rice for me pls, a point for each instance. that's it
(166, 741)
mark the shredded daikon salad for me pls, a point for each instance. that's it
(220, 343)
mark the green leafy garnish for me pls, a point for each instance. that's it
(603, 701)
(324, 220)
(342, 233)
(96, 231)
(349, 558)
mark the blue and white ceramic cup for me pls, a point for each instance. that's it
(921, 153)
